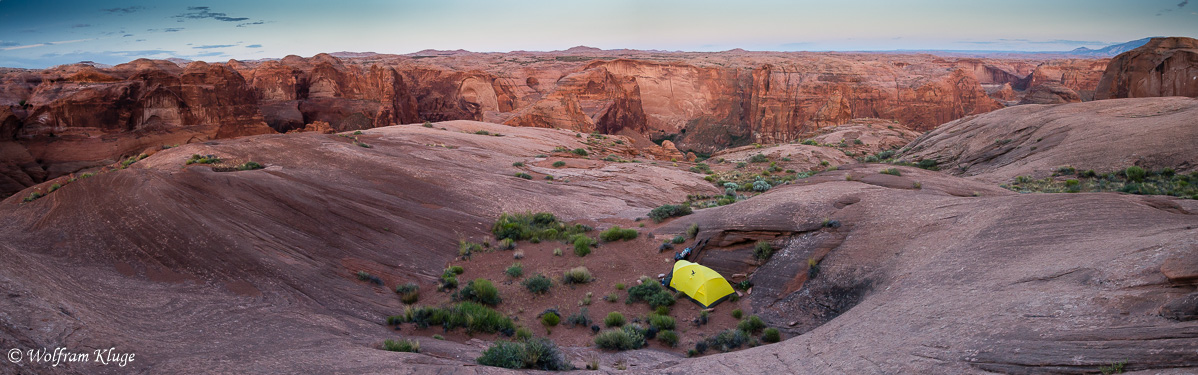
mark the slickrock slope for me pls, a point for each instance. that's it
(184, 264)
(925, 273)
(75, 117)
(957, 277)
(1035, 140)
(1163, 67)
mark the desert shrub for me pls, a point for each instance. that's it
(466, 248)
(758, 158)
(625, 338)
(456, 270)
(737, 314)
(522, 334)
(518, 164)
(525, 226)
(892, 171)
(559, 164)
(763, 250)
(409, 298)
(480, 290)
(133, 159)
(579, 152)
(724, 341)
(201, 159)
(515, 270)
(519, 254)
(507, 244)
(662, 310)
(407, 288)
(616, 233)
(829, 223)
(611, 297)
(771, 335)
(580, 319)
(427, 124)
(577, 275)
(472, 316)
(402, 345)
(557, 252)
(582, 245)
(620, 286)
(810, 142)
(666, 211)
(761, 185)
(652, 293)
(249, 166)
(692, 230)
(533, 354)
(550, 319)
(438, 337)
(366, 276)
(1135, 173)
(448, 282)
(752, 324)
(661, 322)
(538, 284)
(504, 354)
(678, 239)
(858, 142)
(928, 164)
(668, 338)
(409, 293)
(523, 175)
(614, 319)
(743, 285)
(482, 132)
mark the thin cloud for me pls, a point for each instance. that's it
(1183, 3)
(43, 44)
(211, 46)
(199, 13)
(254, 46)
(125, 10)
(250, 23)
(80, 25)
(9, 44)
(167, 30)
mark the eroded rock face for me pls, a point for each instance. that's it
(1163, 67)
(1079, 75)
(74, 117)
(296, 91)
(1051, 93)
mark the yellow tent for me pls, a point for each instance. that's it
(702, 284)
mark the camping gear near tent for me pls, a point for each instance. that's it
(701, 284)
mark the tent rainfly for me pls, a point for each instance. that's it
(700, 283)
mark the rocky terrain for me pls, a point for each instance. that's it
(257, 266)
(243, 250)
(76, 117)
(1036, 140)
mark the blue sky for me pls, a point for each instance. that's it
(43, 33)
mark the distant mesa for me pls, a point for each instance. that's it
(1113, 49)
(582, 49)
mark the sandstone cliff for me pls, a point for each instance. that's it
(70, 118)
(1163, 67)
